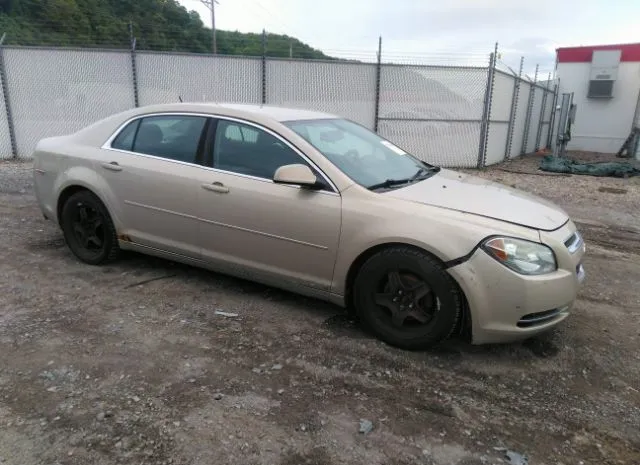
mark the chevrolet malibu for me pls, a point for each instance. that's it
(318, 205)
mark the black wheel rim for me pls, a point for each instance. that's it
(88, 229)
(406, 301)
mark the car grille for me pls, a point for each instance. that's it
(535, 319)
(574, 242)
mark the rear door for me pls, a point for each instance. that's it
(152, 167)
(266, 230)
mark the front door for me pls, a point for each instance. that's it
(266, 230)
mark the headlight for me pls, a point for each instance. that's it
(521, 256)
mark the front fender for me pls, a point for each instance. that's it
(446, 234)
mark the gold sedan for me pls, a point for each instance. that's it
(320, 206)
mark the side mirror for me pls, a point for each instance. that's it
(298, 174)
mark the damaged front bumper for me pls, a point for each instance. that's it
(506, 306)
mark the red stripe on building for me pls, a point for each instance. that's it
(630, 52)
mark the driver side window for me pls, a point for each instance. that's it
(244, 149)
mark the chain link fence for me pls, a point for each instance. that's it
(452, 116)
(499, 118)
(55, 92)
(345, 89)
(167, 78)
(434, 112)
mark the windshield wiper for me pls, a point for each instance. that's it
(424, 173)
(420, 175)
(389, 183)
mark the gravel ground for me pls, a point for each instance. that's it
(130, 363)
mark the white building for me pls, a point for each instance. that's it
(605, 81)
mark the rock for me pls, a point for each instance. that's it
(135, 399)
(227, 314)
(460, 414)
(126, 443)
(277, 366)
(365, 426)
(515, 458)
(280, 391)
(218, 396)
(101, 416)
(52, 389)
(119, 445)
(257, 370)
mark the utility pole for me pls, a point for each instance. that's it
(211, 5)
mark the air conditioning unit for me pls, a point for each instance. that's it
(604, 72)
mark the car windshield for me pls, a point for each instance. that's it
(365, 157)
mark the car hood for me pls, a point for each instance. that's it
(471, 194)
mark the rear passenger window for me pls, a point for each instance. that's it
(124, 140)
(172, 137)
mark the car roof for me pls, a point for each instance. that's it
(250, 111)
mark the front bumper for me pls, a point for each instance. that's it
(506, 306)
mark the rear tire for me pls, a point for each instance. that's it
(406, 298)
(88, 229)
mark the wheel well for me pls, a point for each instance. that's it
(64, 196)
(464, 325)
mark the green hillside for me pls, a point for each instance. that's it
(157, 24)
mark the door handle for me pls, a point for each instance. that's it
(217, 187)
(113, 166)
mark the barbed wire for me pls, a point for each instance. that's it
(43, 34)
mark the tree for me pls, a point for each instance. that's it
(157, 25)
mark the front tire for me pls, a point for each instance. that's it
(406, 298)
(88, 229)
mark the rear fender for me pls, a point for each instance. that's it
(88, 178)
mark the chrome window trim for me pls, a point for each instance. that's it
(109, 141)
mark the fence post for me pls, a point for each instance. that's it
(134, 69)
(264, 67)
(552, 120)
(377, 96)
(545, 95)
(527, 120)
(514, 110)
(486, 110)
(7, 103)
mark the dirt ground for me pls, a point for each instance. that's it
(130, 363)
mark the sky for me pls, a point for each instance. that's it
(437, 32)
